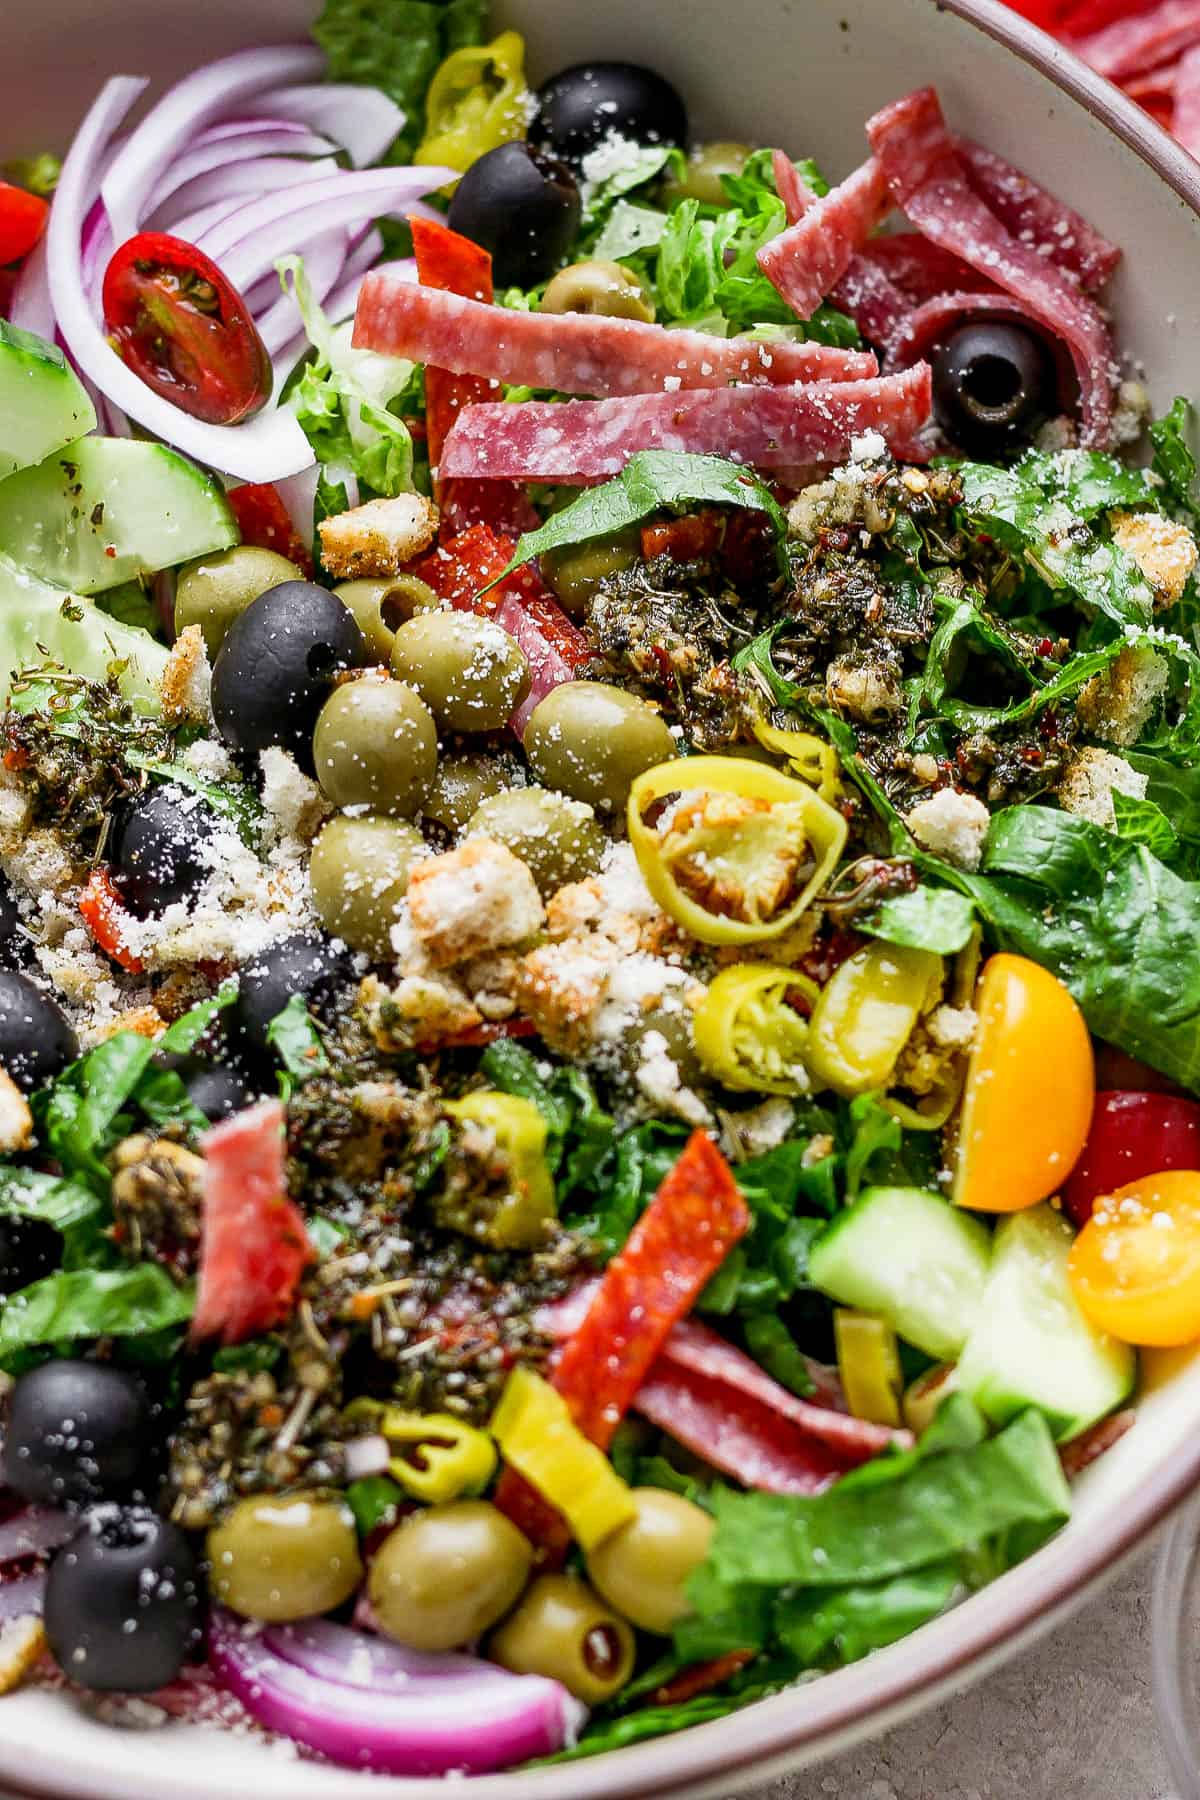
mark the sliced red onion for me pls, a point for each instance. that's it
(426, 1725)
(366, 1455)
(232, 184)
(20, 1598)
(363, 1659)
(198, 100)
(264, 448)
(30, 306)
(362, 119)
(299, 495)
(235, 146)
(226, 129)
(344, 298)
(195, 225)
(34, 1532)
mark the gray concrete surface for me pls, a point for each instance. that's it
(1073, 1719)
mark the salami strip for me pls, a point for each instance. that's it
(1054, 230)
(579, 353)
(1130, 46)
(921, 270)
(865, 291)
(1186, 121)
(930, 323)
(925, 175)
(806, 262)
(764, 427)
(737, 1434)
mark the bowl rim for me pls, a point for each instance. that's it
(755, 1743)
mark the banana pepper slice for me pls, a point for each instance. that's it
(538, 1437)
(518, 1217)
(931, 1111)
(476, 100)
(810, 757)
(749, 1034)
(741, 852)
(866, 1013)
(438, 1457)
(868, 1360)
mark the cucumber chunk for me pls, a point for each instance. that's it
(913, 1259)
(103, 511)
(43, 403)
(38, 618)
(1031, 1345)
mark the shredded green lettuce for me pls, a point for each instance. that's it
(396, 45)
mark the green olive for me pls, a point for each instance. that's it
(563, 1630)
(446, 1575)
(643, 1567)
(462, 784)
(577, 572)
(702, 172)
(280, 1557)
(376, 745)
(359, 874)
(470, 671)
(592, 741)
(557, 839)
(607, 288)
(214, 590)
(381, 606)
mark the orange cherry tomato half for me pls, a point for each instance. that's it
(1027, 1101)
(1135, 1266)
(185, 330)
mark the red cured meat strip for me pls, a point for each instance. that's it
(1054, 230)
(254, 1246)
(553, 645)
(929, 323)
(1187, 101)
(738, 1434)
(865, 291)
(1093, 15)
(1156, 87)
(912, 142)
(807, 261)
(579, 353)
(1129, 46)
(919, 269)
(763, 427)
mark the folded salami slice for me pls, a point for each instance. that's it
(928, 181)
(1130, 46)
(1186, 121)
(737, 1434)
(865, 291)
(930, 323)
(921, 270)
(1037, 218)
(806, 262)
(765, 427)
(579, 353)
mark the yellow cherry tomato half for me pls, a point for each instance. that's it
(1135, 1266)
(1027, 1101)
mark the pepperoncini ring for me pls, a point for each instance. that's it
(749, 1035)
(439, 1457)
(931, 1111)
(868, 1360)
(866, 1013)
(477, 100)
(809, 757)
(742, 851)
(538, 1437)
(519, 1218)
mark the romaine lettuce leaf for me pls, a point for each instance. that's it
(91, 1303)
(396, 45)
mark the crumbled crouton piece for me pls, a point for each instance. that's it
(1118, 704)
(145, 1021)
(951, 824)
(22, 1647)
(186, 683)
(1091, 780)
(477, 898)
(16, 808)
(16, 1120)
(294, 804)
(422, 1009)
(953, 1027)
(38, 861)
(1163, 550)
(378, 538)
(561, 986)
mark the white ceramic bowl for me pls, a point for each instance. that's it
(805, 74)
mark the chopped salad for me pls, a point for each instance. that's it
(600, 835)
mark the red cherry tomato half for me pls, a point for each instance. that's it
(22, 221)
(1132, 1135)
(185, 330)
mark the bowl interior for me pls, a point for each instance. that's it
(803, 73)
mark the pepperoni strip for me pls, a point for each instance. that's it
(765, 427)
(806, 262)
(579, 353)
(738, 1435)
(265, 522)
(927, 179)
(1056, 231)
(921, 270)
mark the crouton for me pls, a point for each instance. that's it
(1163, 550)
(1118, 704)
(185, 685)
(16, 1120)
(421, 1010)
(378, 538)
(951, 824)
(1091, 779)
(560, 988)
(477, 898)
(292, 801)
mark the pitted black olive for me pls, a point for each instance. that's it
(276, 666)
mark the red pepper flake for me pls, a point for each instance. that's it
(691, 539)
(1045, 646)
(106, 918)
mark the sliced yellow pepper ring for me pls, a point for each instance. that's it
(868, 1360)
(866, 1013)
(518, 1219)
(749, 1035)
(439, 1457)
(538, 1437)
(810, 757)
(931, 1111)
(741, 854)
(476, 100)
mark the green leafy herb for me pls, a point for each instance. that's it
(580, 1134)
(91, 1303)
(37, 173)
(396, 45)
(929, 918)
(771, 1343)
(643, 164)
(1142, 822)
(825, 1627)
(1173, 461)
(30, 1194)
(131, 604)
(630, 229)
(294, 1037)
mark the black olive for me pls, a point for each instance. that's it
(122, 1606)
(15, 948)
(29, 1249)
(992, 386)
(218, 1090)
(276, 666)
(76, 1431)
(35, 1038)
(524, 207)
(592, 101)
(307, 965)
(161, 848)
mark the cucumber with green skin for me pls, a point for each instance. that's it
(103, 511)
(910, 1257)
(1031, 1345)
(38, 620)
(43, 403)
